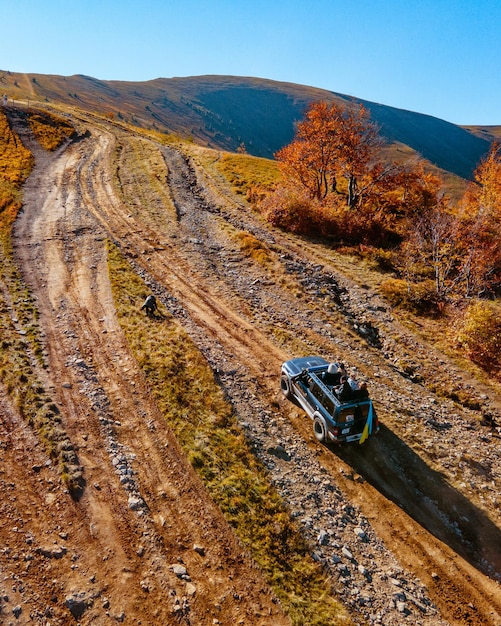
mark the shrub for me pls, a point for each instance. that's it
(421, 298)
(357, 227)
(254, 248)
(480, 335)
(383, 260)
(292, 210)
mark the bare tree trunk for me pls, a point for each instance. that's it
(352, 192)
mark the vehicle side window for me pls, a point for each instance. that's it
(329, 405)
(316, 391)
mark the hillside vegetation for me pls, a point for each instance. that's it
(228, 112)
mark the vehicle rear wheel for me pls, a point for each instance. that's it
(285, 386)
(319, 430)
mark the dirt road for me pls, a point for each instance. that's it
(144, 514)
(145, 544)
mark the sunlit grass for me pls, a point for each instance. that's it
(15, 165)
(50, 130)
(195, 407)
(244, 175)
(254, 248)
(246, 172)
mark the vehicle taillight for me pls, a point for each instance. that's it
(335, 432)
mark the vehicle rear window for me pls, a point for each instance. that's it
(353, 413)
(346, 415)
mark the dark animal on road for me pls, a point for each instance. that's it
(150, 306)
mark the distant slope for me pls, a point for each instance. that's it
(489, 133)
(450, 147)
(225, 112)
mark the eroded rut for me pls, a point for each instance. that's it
(400, 541)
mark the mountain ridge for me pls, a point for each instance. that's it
(231, 112)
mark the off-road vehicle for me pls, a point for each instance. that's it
(304, 380)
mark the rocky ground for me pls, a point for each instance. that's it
(408, 524)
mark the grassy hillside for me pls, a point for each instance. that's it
(489, 133)
(228, 112)
(449, 147)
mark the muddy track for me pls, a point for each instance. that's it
(437, 544)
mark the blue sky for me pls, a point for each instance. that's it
(440, 57)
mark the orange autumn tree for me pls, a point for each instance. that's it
(487, 193)
(479, 332)
(459, 248)
(481, 218)
(336, 157)
(333, 145)
(338, 183)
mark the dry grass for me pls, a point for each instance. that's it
(50, 130)
(15, 165)
(141, 172)
(246, 172)
(194, 405)
(245, 177)
(253, 248)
